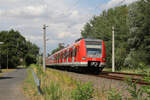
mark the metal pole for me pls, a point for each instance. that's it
(44, 46)
(113, 50)
(7, 58)
(0, 59)
(0, 55)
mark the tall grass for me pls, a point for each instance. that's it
(136, 93)
(30, 88)
(56, 85)
(83, 92)
(52, 91)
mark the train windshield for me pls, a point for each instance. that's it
(94, 49)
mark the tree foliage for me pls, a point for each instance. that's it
(139, 37)
(101, 27)
(16, 50)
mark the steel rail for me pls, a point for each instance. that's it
(138, 81)
(123, 73)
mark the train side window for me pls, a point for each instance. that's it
(71, 54)
(64, 55)
(59, 56)
(67, 54)
(75, 52)
(55, 57)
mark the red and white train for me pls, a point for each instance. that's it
(84, 54)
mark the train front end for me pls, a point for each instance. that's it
(94, 54)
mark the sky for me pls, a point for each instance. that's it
(65, 18)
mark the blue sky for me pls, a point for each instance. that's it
(65, 18)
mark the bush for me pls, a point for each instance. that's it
(113, 95)
(136, 59)
(136, 93)
(83, 92)
(146, 89)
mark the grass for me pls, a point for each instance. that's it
(6, 70)
(127, 70)
(29, 87)
(1, 74)
(57, 85)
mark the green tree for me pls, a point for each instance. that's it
(139, 38)
(101, 27)
(16, 48)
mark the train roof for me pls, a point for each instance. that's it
(76, 42)
(97, 40)
(88, 39)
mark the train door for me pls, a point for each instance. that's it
(61, 57)
(69, 57)
(78, 54)
(73, 55)
(55, 59)
(65, 54)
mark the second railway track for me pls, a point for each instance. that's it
(138, 78)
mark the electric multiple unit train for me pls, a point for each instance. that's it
(84, 54)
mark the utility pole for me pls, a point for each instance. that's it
(7, 58)
(1, 56)
(44, 46)
(113, 50)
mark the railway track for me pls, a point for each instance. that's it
(138, 78)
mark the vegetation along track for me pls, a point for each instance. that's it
(138, 78)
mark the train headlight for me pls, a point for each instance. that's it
(83, 58)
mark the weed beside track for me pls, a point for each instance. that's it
(61, 85)
(57, 86)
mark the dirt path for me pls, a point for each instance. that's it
(10, 85)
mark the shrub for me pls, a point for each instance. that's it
(146, 89)
(113, 95)
(136, 93)
(83, 92)
(53, 91)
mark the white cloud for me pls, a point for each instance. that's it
(28, 16)
(113, 3)
(22, 12)
(33, 38)
(35, 10)
(63, 35)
